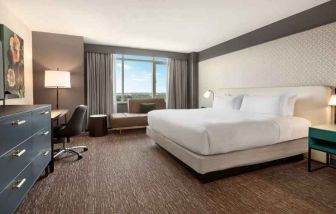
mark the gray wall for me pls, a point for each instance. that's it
(52, 51)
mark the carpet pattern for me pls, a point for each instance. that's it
(129, 173)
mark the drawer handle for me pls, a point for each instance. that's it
(18, 184)
(46, 153)
(18, 122)
(44, 112)
(45, 133)
(19, 153)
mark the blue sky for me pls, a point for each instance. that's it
(138, 77)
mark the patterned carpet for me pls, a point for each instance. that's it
(128, 173)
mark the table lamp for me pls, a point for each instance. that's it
(332, 102)
(57, 79)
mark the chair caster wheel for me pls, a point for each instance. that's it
(85, 149)
(79, 157)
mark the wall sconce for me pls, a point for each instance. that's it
(208, 94)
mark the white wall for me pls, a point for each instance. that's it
(8, 18)
(306, 58)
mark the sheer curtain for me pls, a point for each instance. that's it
(99, 71)
(177, 83)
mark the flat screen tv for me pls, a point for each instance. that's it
(1, 74)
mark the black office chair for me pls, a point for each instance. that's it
(73, 128)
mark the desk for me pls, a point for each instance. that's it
(55, 115)
(58, 113)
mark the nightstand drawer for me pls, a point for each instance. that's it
(322, 135)
(14, 130)
(41, 119)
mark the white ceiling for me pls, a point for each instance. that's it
(174, 25)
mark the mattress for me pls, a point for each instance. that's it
(210, 131)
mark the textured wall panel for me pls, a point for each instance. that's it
(307, 58)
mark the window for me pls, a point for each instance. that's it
(161, 80)
(140, 77)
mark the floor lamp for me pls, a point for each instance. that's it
(57, 79)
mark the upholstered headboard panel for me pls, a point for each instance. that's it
(312, 102)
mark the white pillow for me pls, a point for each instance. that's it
(288, 102)
(261, 104)
(282, 105)
(227, 102)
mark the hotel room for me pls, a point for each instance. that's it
(156, 106)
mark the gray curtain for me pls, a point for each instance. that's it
(177, 84)
(99, 71)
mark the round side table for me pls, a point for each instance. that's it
(98, 125)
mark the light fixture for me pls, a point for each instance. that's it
(332, 101)
(208, 94)
(57, 79)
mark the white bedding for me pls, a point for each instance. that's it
(214, 131)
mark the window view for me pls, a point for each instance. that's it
(140, 77)
(161, 80)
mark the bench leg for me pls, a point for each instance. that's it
(309, 159)
(327, 159)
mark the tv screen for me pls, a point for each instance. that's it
(1, 73)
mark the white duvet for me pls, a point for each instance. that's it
(213, 131)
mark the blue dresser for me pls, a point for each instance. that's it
(25, 151)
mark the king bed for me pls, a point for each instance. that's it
(220, 138)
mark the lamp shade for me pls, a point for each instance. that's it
(208, 93)
(332, 101)
(54, 79)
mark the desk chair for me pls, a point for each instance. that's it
(73, 128)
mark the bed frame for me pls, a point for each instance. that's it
(312, 104)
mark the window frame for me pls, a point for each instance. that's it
(154, 63)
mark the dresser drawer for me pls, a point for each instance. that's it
(15, 191)
(41, 161)
(12, 163)
(14, 130)
(42, 142)
(41, 119)
(18, 158)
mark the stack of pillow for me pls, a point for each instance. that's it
(282, 105)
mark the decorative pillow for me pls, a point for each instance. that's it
(147, 107)
(261, 104)
(282, 105)
(227, 102)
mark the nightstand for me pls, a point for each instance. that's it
(322, 138)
